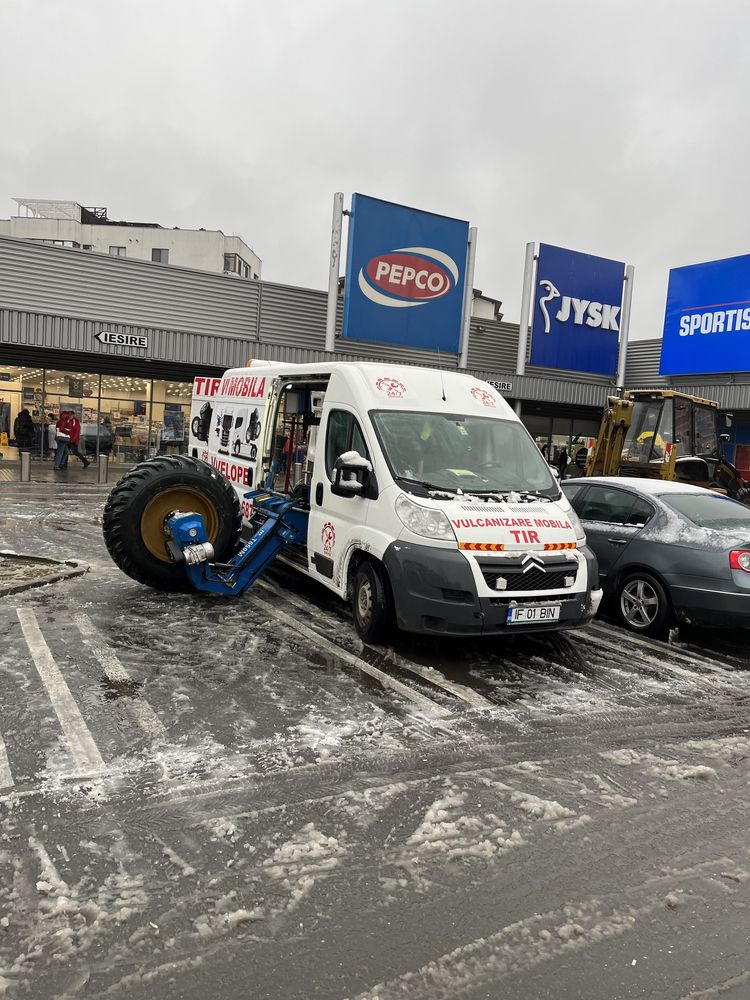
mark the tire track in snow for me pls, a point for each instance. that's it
(426, 704)
(389, 655)
(522, 946)
(116, 674)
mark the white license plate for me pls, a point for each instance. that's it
(533, 613)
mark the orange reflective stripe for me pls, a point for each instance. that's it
(556, 546)
(481, 546)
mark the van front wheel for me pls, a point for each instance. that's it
(371, 604)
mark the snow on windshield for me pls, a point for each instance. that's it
(454, 451)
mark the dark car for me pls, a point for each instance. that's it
(667, 551)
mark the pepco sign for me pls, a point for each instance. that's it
(407, 277)
(404, 276)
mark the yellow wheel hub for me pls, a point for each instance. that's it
(183, 498)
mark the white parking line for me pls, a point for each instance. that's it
(80, 740)
(428, 674)
(659, 665)
(661, 649)
(6, 778)
(305, 606)
(355, 661)
(114, 671)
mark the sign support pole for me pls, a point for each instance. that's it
(333, 270)
(523, 326)
(471, 256)
(627, 296)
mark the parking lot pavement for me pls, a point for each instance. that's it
(202, 797)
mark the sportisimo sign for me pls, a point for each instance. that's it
(707, 318)
(405, 275)
(576, 311)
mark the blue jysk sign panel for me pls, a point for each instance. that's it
(707, 319)
(576, 311)
(405, 276)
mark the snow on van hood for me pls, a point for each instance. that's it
(486, 526)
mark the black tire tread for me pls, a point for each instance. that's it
(384, 624)
(121, 498)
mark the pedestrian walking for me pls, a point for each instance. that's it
(51, 434)
(562, 461)
(23, 431)
(62, 438)
(74, 431)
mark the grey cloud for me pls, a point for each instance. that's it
(617, 129)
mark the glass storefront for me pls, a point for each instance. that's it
(126, 417)
(558, 435)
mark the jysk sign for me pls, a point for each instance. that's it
(707, 319)
(121, 339)
(576, 311)
(405, 276)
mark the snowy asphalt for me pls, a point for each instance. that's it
(202, 798)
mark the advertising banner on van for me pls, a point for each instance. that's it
(707, 318)
(405, 276)
(575, 320)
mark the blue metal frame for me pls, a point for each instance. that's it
(284, 525)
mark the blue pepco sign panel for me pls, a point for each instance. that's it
(707, 319)
(404, 276)
(576, 311)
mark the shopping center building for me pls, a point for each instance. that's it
(120, 340)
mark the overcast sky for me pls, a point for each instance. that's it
(618, 129)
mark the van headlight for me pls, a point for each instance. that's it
(428, 522)
(576, 522)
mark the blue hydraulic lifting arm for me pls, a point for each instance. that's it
(187, 540)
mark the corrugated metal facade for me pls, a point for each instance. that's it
(52, 298)
(731, 391)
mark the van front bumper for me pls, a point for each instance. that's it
(434, 592)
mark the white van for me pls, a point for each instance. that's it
(428, 500)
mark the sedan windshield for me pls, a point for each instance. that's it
(450, 451)
(710, 510)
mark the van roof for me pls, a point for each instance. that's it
(409, 387)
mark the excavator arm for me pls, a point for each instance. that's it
(604, 458)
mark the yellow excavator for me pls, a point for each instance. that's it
(663, 434)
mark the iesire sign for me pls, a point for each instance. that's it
(501, 386)
(575, 321)
(707, 318)
(405, 276)
(121, 339)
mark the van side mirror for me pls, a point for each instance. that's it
(351, 474)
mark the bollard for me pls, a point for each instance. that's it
(25, 466)
(103, 469)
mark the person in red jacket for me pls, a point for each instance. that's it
(70, 426)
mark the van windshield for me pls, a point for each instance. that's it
(450, 451)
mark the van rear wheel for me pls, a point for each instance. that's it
(372, 608)
(139, 505)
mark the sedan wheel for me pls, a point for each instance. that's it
(643, 604)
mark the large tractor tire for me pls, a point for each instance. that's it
(140, 503)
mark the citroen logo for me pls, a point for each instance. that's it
(533, 562)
